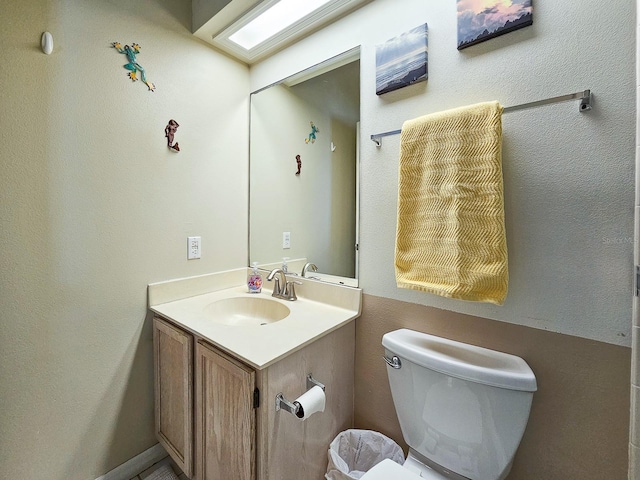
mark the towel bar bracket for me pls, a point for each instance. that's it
(377, 138)
(585, 101)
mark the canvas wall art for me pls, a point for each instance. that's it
(480, 20)
(402, 60)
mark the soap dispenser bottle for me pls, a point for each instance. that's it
(285, 266)
(254, 280)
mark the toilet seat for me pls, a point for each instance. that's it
(388, 469)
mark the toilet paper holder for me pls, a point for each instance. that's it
(294, 407)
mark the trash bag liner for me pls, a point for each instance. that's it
(354, 452)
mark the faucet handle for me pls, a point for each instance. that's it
(290, 289)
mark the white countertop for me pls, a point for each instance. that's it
(320, 309)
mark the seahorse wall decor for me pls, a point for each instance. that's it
(169, 132)
(133, 66)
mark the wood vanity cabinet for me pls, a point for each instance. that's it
(216, 416)
(198, 386)
(225, 416)
(173, 363)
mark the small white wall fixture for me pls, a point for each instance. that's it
(46, 42)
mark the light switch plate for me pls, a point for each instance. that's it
(286, 239)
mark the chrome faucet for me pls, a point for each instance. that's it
(308, 266)
(282, 288)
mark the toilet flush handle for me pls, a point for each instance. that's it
(393, 362)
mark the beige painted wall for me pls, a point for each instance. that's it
(93, 208)
(579, 421)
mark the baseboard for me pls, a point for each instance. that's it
(137, 464)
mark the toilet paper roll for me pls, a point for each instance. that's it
(310, 402)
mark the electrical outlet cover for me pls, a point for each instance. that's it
(193, 248)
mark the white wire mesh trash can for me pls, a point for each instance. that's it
(354, 452)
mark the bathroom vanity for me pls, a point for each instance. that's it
(218, 370)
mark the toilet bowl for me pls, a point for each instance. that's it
(462, 409)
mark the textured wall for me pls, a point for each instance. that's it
(93, 208)
(568, 176)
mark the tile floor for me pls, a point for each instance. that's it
(155, 466)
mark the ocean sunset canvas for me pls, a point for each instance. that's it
(480, 20)
(402, 60)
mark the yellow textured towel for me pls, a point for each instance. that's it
(450, 238)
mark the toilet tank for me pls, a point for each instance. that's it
(463, 408)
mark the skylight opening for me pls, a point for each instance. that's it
(273, 21)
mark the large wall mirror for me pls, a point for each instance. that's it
(303, 183)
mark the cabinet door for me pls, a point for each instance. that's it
(225, 417)
(173, 360)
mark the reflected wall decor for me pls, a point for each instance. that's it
(480, 20)
(402, 61)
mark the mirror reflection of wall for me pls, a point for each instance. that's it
(318, 205)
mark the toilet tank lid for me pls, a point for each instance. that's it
(460, 360)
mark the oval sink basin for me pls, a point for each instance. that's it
(247, 311)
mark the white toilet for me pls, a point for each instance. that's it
(462, 409)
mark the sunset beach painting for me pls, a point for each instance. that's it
(480, 20)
